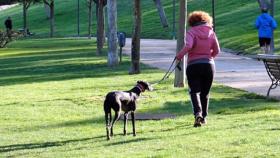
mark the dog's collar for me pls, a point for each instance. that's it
(140, 87)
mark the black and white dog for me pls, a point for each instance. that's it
(123, 101)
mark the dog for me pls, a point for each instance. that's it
(123, 101)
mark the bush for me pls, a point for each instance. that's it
(7, 37)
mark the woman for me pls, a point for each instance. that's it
(201, 47)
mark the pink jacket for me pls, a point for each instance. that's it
(200, 43)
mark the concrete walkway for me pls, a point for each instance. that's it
(3, 7)
(232, 70)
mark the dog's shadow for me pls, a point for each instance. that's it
(130, 141)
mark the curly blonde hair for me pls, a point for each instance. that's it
(199, 17)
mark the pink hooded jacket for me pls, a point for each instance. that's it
(200, 43)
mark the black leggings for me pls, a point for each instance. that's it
(200, 77)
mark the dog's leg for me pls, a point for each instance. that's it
(125, 122)
(107, 125)
(117, 115)
(133, 123)
(110, 117)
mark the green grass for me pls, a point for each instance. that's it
(51, 98)
(234, 20)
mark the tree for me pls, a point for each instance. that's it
(180, 76)
(263, 3)
(48, 11)
(112, 34)
(100, 4)
(89, 4)
(50, 3)
(161, 13)
(25, 5)
(135, 45)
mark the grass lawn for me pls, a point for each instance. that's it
(51, 99)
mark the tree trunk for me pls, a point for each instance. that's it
(161, 12)
(24, 18)
(48, 11)
(263, 3)
(100, 27)
(89, 18)
(180, 76)
(174, 20)
(272, 5)
(112, 34)
(135, 45)
(52, 19)
(78, 18)
(213, 15)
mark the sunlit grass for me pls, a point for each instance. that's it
(52, 106)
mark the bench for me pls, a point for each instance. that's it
(21, 30)
(272, 65)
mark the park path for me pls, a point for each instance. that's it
(231, 70)
(3, 7)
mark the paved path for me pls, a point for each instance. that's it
(3, 7)
(232, 70)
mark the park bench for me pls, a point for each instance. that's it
(272, 65)
(21, 30)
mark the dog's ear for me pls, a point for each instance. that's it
(146, 85)
(139, 82)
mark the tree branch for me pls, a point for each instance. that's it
(46, 2)
(28, 4)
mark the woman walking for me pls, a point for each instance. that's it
(201, 47)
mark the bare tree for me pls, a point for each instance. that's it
(135, 45)
(25, 5)
(47, 11)
(263, 3)
(161, 12)
(90, 3)
(50, 3)
(112, 34)
(100, 25)
(180, 76)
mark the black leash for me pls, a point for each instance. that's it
(168, 73)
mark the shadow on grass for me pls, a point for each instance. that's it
(240, 104)
(29, 146)
(57, 65)
(274, 129)
(66, 124)
(130, 141)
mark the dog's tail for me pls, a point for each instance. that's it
(107, 111)
(108, 118)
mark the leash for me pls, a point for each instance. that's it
(168, 73)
